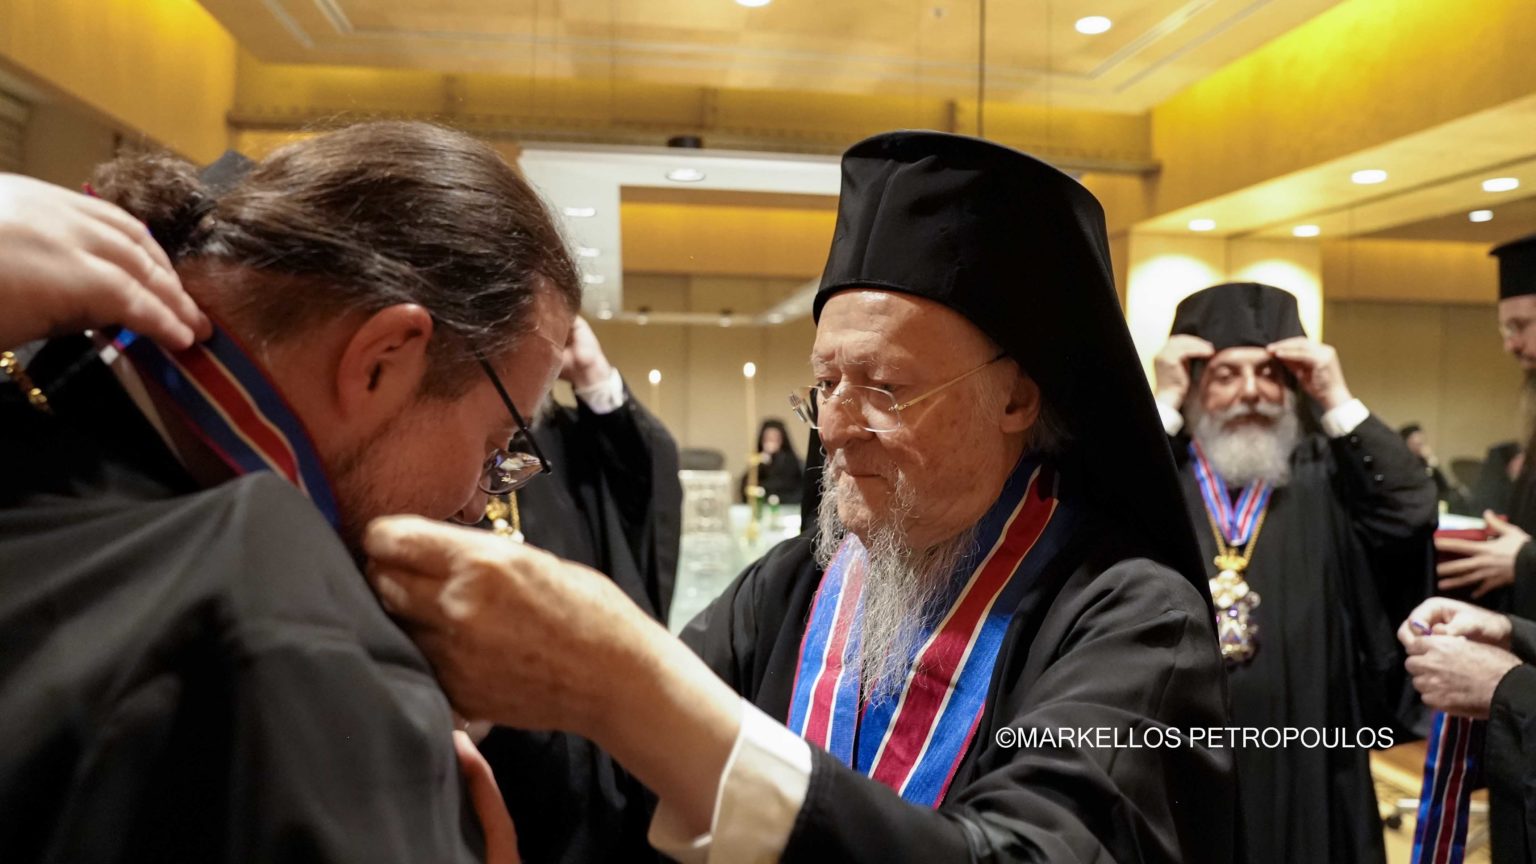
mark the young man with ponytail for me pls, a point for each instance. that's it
(193, 666)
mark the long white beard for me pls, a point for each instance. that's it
(903, 589)
(1251, 451)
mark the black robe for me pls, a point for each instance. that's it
(1344, 555)
(1097, 643)
(197, 675)
(613, 501)
(1509, 755)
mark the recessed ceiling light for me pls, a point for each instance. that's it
(594, 278)
(1306, 231)
(586, 252)
(685, 175)
(753, 4)
(1202, 224)
(1501, 184)
(579, 212)
(655, 376)
(749, 370)
(1480, 216)
(1093, 25)
(1369, 176)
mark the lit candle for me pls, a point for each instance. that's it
(754, 494)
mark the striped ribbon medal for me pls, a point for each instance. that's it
(913, 740)
(231, 405)
(1236, 520)
(1452, 770)
(1235, 529)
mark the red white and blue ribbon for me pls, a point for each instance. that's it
(1452, 769)
(913, 740)
(1235, 519)
(236, 410)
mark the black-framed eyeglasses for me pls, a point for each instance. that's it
(509, 469)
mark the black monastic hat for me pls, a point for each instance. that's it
(1020, 250)
(1238, 314)
(1517, 267)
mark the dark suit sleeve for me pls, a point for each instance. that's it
(1138, 656)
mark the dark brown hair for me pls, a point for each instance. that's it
(360, 219)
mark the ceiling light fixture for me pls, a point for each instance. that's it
(594, 278)
(1093, 25)
(1501, 184)
(1369, 177)
(1480, 216)
(1306, 231)
(753, 4)
(579, 212)
(586, 252)
(685, 175)
(1202, 224)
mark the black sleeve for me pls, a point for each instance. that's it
(1509, 757)
(1390, 498)
(1140, 657)
(639, 462)
(1522, 640)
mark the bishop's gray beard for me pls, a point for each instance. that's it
(903, 589)
(1251, 451)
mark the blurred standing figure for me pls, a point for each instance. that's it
(779, 470)
(1450, 493)
(1501, 572)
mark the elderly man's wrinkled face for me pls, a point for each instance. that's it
(1516, 317)
(939, 471)
(1245, 417)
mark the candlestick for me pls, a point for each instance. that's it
(754, 492)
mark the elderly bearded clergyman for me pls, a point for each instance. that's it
(1002, 544)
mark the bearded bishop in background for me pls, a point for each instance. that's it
(1315, 523)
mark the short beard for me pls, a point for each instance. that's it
(1251, 452)
(903, 589)
(356, 486)
(1528, 407)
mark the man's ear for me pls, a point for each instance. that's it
(1023, 407)
(384, 362)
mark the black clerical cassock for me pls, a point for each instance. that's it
(1111, 631)
(1341, 558)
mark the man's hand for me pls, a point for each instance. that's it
(1456, 675)
(1488, 564)
(1170, 368)
(69, 262)
(500, 836)
(583, 364)
(1316, 367)
(525, 639)
(1443, 616)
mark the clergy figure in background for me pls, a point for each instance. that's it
(1316, 542)
(1003, 599)
(1500, 573)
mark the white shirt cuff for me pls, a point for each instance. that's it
(606, 396)
(1345, 418)
(1173, 421)
(759, 796)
